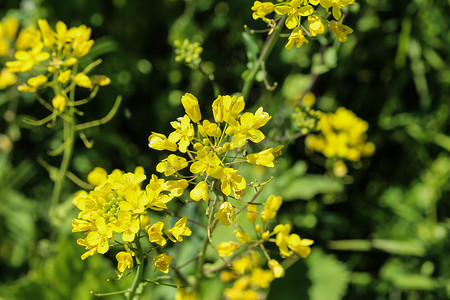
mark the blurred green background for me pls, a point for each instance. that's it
(383, 233)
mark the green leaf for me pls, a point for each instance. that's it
(251, 46)
(329, 276)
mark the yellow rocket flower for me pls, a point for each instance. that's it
(190, 104)
(178, 230)
(296, 37)
(226, 214)
(155, 233)
(227, 248)
(162, 262)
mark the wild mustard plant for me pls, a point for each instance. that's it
(52, 58)
(316, 13)
(210, 152)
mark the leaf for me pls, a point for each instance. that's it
(329, 276)
(252, 48)
(399, 247)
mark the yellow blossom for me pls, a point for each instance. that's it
(83, 80)
(63, 77)
(183, 134)
(200, 192)
(273, 203)
(252, 213)
(59, 102)
(276, 269)
(162, 262)
(299, 246)
(178, 230)
(190, 104)
(294, 11)
(27, 59)
(7, 78)
(296, 37)
(340, 30)
(97, 176)
(242, 236)
(159, 141)
(263, 158)
(261, 9)
(155, 233)
(226, 108)
(261, 277)
(226, 214)
(315, 25)
(227, 248)
(125, 259)
(100, 80)
(171, 165)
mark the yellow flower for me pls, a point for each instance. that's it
(182, 294)
(97, 176)
(261, 277)
(230, 179)
(183, 134)
(252, 213)
(226, 214)
(27, 59)
(59, 102)
(159, 141)
(209, 129)
(227, 248)
(273, 203)
(125, 259)
(315, 25)
(48, 35)
(299, 246)
(64, 76)
(156, 199)
(28, 38)
(276, 269)
(261, 9)
(227, 107)
(242, 236)
(340, 30)
(83, 80)
(178, 230)
(162, 262)
(297, 37)
(7, 78)
(190, 104)
(294, 12)
(200, 192)
(336, 6)
(100, 80)
(155, 233)
(171, 165)
(263, 158)
(9, 26)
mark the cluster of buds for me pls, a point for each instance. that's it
(294, 10)
(188, 52)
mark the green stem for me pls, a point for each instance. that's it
(267, 48)
(69, 139)
(140, 269)
(201, 262)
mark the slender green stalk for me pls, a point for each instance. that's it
(264, 54)
(201, 262)
(69, 137)
(140, 269)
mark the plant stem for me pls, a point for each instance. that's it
(201, 262)
(140, 269)
(69, 138)
(264, 54)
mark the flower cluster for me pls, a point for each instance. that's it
(53, 57)
(306, 119)
(342, 135)
(9, 27)
(117, 206)
(188, 52)
(294, 10)
(214, 148)
(287, 243)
